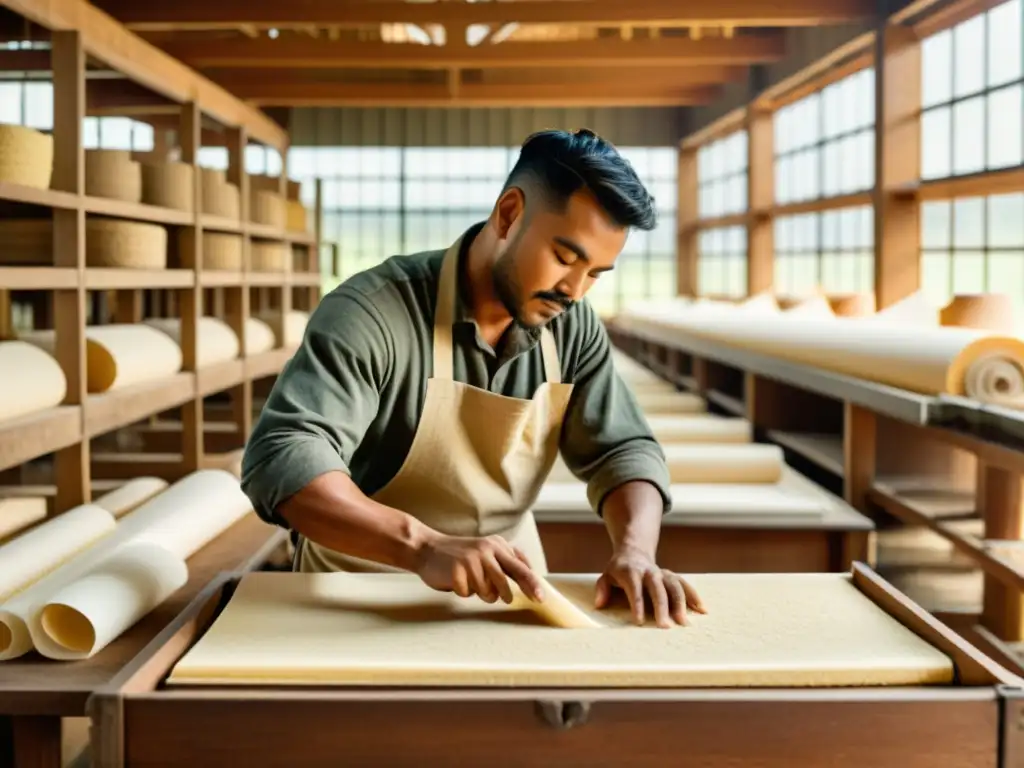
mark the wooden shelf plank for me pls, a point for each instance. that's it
(101, 278)
(301, 238)
(306, 278)
(112, 410)
(905, 507)
(729, 403)
(38, 434)
(266, 232)
(38, 278)
(222, 224)
(49, 198)
(137, 211)
(271, 279)
(29, 685)
(221, 376)
(220, 278)
(825, 450)
(267, 363)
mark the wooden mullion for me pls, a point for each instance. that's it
(190, 300)
(760, 197)
(897, 163)
(71, 464)
(689, 214)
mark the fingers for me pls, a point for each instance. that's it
(654, 583)
(521, 573)
(632, 584)
(693, 600)
(676, 598)
(603, 591)
(496, 576)
(480, 582)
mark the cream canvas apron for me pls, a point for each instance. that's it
(478, 459)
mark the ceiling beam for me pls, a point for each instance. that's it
(182, 14)
(310, 53)
(108, 41)
(270, 92)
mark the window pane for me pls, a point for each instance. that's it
(969, 222)
(969, 56)
(936, 143)
(1006, 221)
(968, 127)
(936, 225)
(1004, 43)
(937, 68)
(1004, 127)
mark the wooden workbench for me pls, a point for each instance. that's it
(35, 693)
(138, 721)
(576, 541)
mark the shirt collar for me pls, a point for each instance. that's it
(518, 339)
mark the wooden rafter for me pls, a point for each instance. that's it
(277, 92)
(299, 53)
(106, 40)
(182, 14)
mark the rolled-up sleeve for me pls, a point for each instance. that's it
(321, 404)
(606, 440)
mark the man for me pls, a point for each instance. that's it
(432, 394)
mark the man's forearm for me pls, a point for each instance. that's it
(632, 514)
(334, 513)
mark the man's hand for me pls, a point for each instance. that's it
(635, 573)
(469, 565)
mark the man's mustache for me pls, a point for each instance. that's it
(555, 296)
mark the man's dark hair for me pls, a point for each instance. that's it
(560, 163)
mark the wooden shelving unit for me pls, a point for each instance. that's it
(168, 427)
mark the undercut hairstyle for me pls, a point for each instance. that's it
(557, 164)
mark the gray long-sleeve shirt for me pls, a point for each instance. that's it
(351, 397)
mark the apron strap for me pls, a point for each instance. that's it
(444, 317)
(549, 351)
(444, 314)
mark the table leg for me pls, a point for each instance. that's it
(37, 741)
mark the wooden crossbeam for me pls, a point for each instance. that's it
(108, 41)
(272, 91)
(312, 53)
(231, 14)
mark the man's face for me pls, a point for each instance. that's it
(550, 259)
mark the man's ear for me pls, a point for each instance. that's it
(510, 207)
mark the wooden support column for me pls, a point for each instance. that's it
(71, 465)
(859, 454)
(190, 303)
(897, 162)
(1001, 504)
(760, 199)
(237, 299)
(689, 213)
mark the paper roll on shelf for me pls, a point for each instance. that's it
(259, 337)
(40, 383)
(33, 554)
(216, 341)
(926, 359)
(181, 520)
(670, 402)
(710, 463)
(720, 500)
(699, 429)
(131, 495)
(295, 322)
(119, 355)
(26, 156)
(87, 614)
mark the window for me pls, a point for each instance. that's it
(824, 143)
(831, 250)
(723, 262)
(971, 95)
(722, 176)
(382, 201)
(974, 245)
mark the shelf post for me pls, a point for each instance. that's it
(190, 304)
(760, 128)
(71, 464)
(237, 299)
(688, 196)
